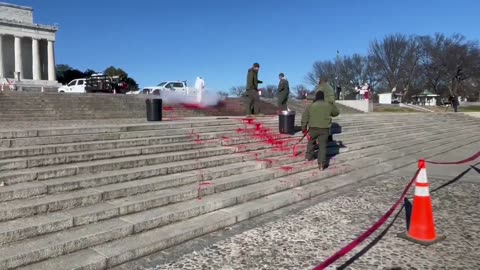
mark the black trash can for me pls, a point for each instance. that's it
(154, 109)
(286, 122)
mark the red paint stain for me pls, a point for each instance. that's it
(247, 120)
(192, 106)
(168, 108)
(287, 169)
(202, 185)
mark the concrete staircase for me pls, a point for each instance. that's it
(37, 106)
(95, 197)
(299, 106)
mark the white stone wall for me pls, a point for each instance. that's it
(16, 13)
(361, 105)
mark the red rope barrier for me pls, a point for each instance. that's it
(368, 232)
(472, 158)
(384, 218)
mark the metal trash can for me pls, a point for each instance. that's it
(286, 122)
(154, 109)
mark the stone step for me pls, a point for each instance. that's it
(25, 175)
(98, 145)
(188, 123)
(19, 229)
(68, 170)
(86, 146)
(153, 199)
(57, 159)
(255, 200)
(26, 190)
(259, 146)
(27, 207)
(107, 136)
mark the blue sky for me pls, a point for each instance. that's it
(220, 39)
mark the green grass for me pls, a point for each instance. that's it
(469, 109)
(396, 109)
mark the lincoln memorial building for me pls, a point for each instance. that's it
(27, 50)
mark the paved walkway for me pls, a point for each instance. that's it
(293, 239)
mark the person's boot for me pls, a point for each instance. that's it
(321, 166)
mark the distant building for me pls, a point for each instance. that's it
(27, 53)
(426, 98)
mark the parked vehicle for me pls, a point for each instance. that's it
(106, 84)
(172, 86)
(75, 86)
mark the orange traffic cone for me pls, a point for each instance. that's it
(422, 227)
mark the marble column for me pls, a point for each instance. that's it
(1, 58)
(51, 62)
(35, 60)
(18, 58)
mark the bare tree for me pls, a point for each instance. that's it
(270, 91)
(394, 59)
(409, 65)
(300, 91)
(321, 68)
(223, 94)
(352, 71)
(237, 91)
(447, 62)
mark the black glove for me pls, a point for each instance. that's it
(260, 81)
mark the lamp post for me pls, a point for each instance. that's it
(337, 60)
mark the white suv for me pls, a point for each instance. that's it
(75, 86)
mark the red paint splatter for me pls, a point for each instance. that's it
(287, 169)
(192, 106)
(247, 120)
(168, 108)
(202, 185)
(205, 184)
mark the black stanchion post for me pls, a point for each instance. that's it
(408, 212)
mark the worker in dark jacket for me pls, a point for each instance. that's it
(318, 119)
(251, 92)
(327, 90)
(454, 102)
(283, 91)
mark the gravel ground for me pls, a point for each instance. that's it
(304, 239)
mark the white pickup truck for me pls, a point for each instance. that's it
(172, 86)
(75, 86)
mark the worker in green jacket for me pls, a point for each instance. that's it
(251, 91)
(325, 87)
(283, 91)
(318, 119)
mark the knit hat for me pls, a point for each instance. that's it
(256, 65)
(281, 75)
